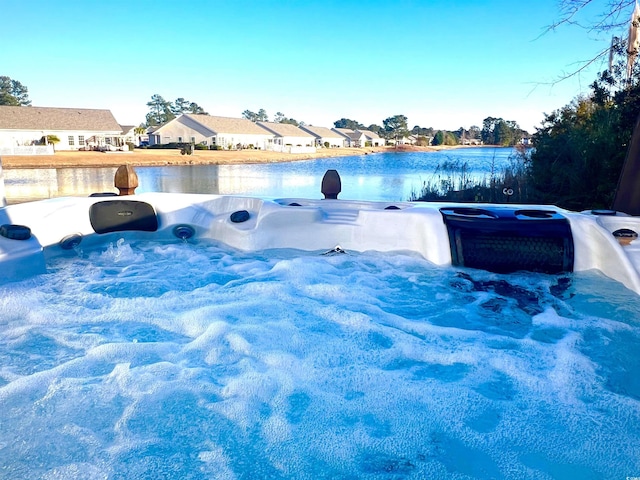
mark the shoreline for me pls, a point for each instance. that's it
(167, 157)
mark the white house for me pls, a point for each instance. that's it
(129, 134)
(289, 138)
(76, 128)
(325, 135)
(372, 138)
(354, 138)
(221, 132)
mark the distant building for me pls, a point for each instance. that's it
(325, 135)
(76, 128)
(232, 133)
(217, 132)
(285, 134)
(526, 141)
(129, 134)
(372, 138)
(354, 138)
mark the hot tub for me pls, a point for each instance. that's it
(497, 238)
(204, 336)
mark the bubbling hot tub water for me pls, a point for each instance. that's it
(156, 360)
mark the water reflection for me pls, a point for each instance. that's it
(23, 185)
(387, 177)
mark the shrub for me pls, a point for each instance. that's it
(451, 182)
(326, 144)
(200, 146)
(172, 145)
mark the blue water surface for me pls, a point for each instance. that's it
(152, 360)
(382, 176)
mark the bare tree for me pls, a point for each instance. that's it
(597, 16)
(611, 17)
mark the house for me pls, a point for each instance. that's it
(372, 139)
(129, 134)
(526, 141)
(325, 136)
(288, 138)
(76, 128)
(408, 140)
(355, 138)
(220, 132)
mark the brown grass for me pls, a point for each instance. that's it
(156, 157)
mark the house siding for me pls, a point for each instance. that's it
(288, 135)
(192, 127)
(80, 138)
(24, 126)
(324, 135)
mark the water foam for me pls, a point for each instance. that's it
(178, 360)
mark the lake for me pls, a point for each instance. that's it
(384, 177)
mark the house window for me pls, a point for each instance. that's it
(193, 139)
(71, 140)
(179, 139)
(81, 140)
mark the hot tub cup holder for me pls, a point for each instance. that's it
(536, 213)
(625, 236)
(469, 212)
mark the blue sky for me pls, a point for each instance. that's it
(442, 64)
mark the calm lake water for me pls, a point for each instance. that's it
(385, 177)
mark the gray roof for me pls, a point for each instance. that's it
(370, 134)
(284, 129)
(321, 132)
(127, 128)
(49, 118)
(227, 124)
(352, 134)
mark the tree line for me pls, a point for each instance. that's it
(581, 147)
(161, 111)
(495, 130)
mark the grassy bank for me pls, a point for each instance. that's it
(158, 157)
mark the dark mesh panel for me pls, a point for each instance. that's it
(506, 253)
(504, 239)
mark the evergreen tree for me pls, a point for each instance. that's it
(261, 116)
(444, 138)
(496, 131)
(13, 93)
(196, 109)
(580, 148)
(348, 123)
(180, 106)
(160, 111)
(396, 127)
(376, 129)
